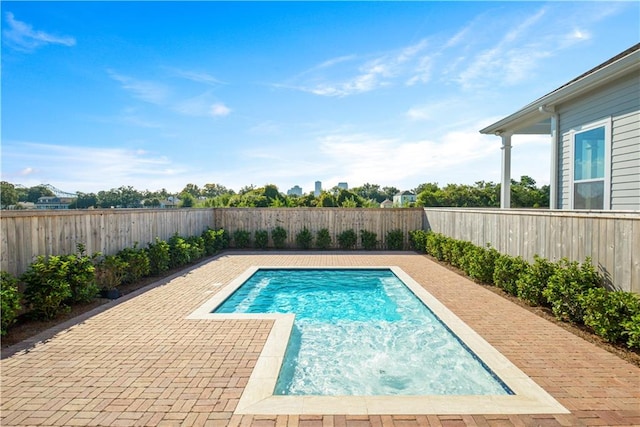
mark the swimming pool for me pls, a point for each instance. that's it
(260, 397)
(361, 332)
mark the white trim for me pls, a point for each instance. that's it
(606, 122)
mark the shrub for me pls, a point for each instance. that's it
(9, 301)
(179, 251)
(215, 240)
(418, 240)
(533, 281)
(567, 284)
(47, 286)
(81, 276)
(304, 238)
(323, 239)
(632, 331)
(159, 256)
(479, 263)
(261, 239)
(607, 313)
(138, 265)
(279, 237)
(507, 270)
(110, 272)
(347, 239)
(242, 239)
(435, 244)
(395, 240)
(196, 247)
(461, 254)
(369, 239)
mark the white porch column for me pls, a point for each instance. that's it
(505, 185)
(555, 146)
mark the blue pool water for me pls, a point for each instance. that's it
(361, 332)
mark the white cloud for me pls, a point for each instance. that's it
(220, 110)
(88, 169)
(21, 36)
(148, 91)
(364, 73)
(197, 76)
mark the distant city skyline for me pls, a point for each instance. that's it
(153, 95)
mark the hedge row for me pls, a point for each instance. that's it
(305, 239)
(574, 292)
(53, 284)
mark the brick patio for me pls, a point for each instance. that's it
(141, 362)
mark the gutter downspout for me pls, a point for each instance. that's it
(555, 148)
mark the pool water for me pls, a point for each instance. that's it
(361, 332)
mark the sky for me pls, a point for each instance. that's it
(98, 95)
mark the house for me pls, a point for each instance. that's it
(386, 204)
(593, 121)
(404, 198)
(54, 202)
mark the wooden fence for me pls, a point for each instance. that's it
(336, 220)
(26, 234)
(611, 239)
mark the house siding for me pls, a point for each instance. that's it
(619, 100)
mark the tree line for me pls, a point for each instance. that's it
(524, 194)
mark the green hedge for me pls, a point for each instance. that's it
(54, 283)
(573, 291)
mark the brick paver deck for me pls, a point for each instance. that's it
(142, 363)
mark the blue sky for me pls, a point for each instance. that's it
(96, 95)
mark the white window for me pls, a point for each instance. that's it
(591, 165)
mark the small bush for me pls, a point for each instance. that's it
(279, 237)
(395, 240)
(179, 251)
(369, 240)
(215, 240)
(507, 271)
(137, 260)
(159, 256)
(47, 286)
(462, 254)
(110, 272)
(567, 284)
(418, 240)
(632, 331)
(347, 239)
(479, 263)
(81, 276)
(323, 239)
(196, 249)
(436, 245)
(261, 239)
(242, 239)
(9, 301)
(533, 281)
(304, 238)
(608, 313)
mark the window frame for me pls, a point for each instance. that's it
(606, 123)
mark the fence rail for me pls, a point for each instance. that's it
(611, 239)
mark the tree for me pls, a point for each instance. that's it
(8, 194)
(187, 200)
(34, 193)
(369, 192)
(84, 201)
(214, 190)
(389, 192)
(192, 189)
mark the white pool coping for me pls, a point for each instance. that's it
(258, 398)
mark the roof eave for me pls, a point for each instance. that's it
(532, 114)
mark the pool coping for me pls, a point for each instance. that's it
(258, 398)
